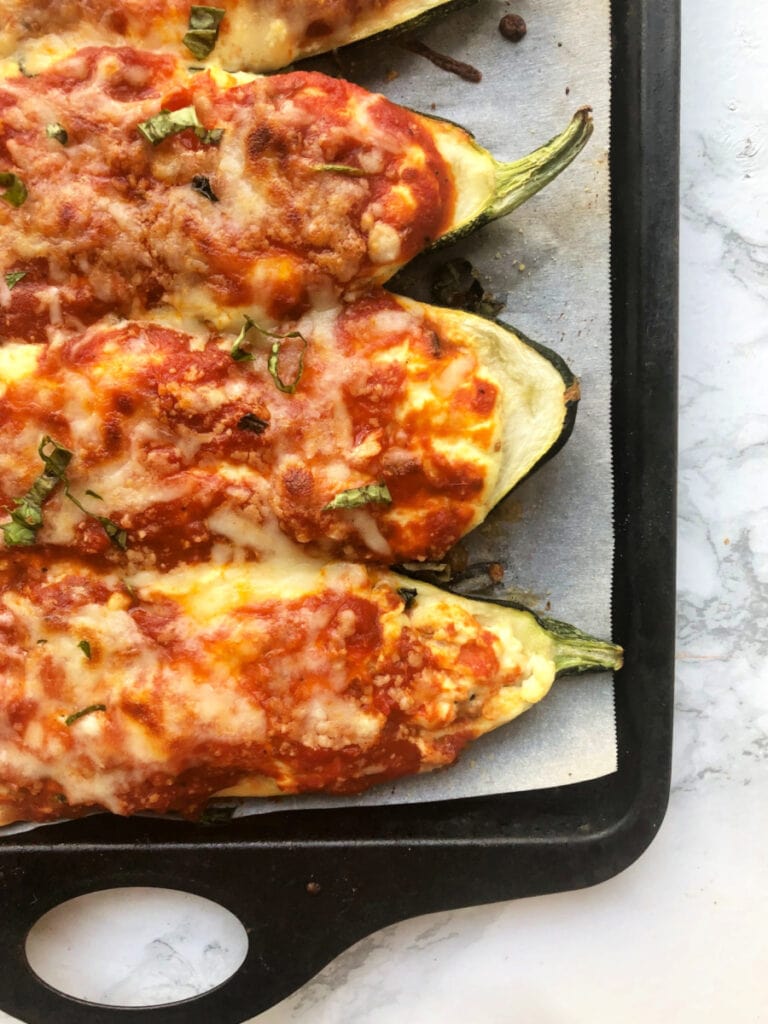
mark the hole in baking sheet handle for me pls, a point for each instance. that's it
(136, 947)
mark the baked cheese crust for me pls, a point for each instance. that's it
(252, 35)
(295, 190)
(199, 455)
(157, 690)
(205, 397)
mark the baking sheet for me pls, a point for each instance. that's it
(550, 262)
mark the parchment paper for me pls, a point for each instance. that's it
(550, 261)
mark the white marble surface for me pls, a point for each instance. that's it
(682, 934)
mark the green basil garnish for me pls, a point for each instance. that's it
(15, 190)
(203, 31)
(351, 172)
(371, 494)
(409, 595)
(171, 122)
(240, 354)
(27, 516)
(116, 534)
(13, 277)
(274, 357)
(58, 132)
(85, 647)
(71, 719)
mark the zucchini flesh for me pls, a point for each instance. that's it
(539, 393)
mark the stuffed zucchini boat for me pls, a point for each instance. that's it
(385, 429)
(128, 184)
(155, 691)
(240, 35)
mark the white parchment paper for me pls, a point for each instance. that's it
(550, 261)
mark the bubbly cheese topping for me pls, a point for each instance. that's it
(187, 448)
(309, 189)
(170, 625)
(259, 35)
(158, 690)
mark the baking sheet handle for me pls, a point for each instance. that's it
(301, 903)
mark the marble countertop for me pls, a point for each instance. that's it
(681, 934)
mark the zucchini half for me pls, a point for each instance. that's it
(547, 647)
(287, 676)
(475, 409)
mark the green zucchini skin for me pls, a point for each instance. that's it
(509, 185)
(568, 648)
(515, 361)
(574, 651)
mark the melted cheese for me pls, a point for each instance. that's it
(260, 35)
(152, 416)
(113, 223)
(204, 673)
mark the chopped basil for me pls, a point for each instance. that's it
(131, 590)
(351, 172)
(116, 534)
(13, 277)
(15, 189)
(85, 647)
(171, 122)
(274, 356)
(27, 516)
(23, 69)
(42, 641)
(203, 31)
(202, 185)
(71, 719)
(240, 354)
(253, 423)
(409, 595)
(210, 136)
(356, 496)
(57, 131)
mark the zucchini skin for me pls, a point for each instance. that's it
(417, 23)
(517, 181)
(573, 396)
(572, 391)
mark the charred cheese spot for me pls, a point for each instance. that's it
(207, 675)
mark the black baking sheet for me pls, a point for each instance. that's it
(377, 865)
